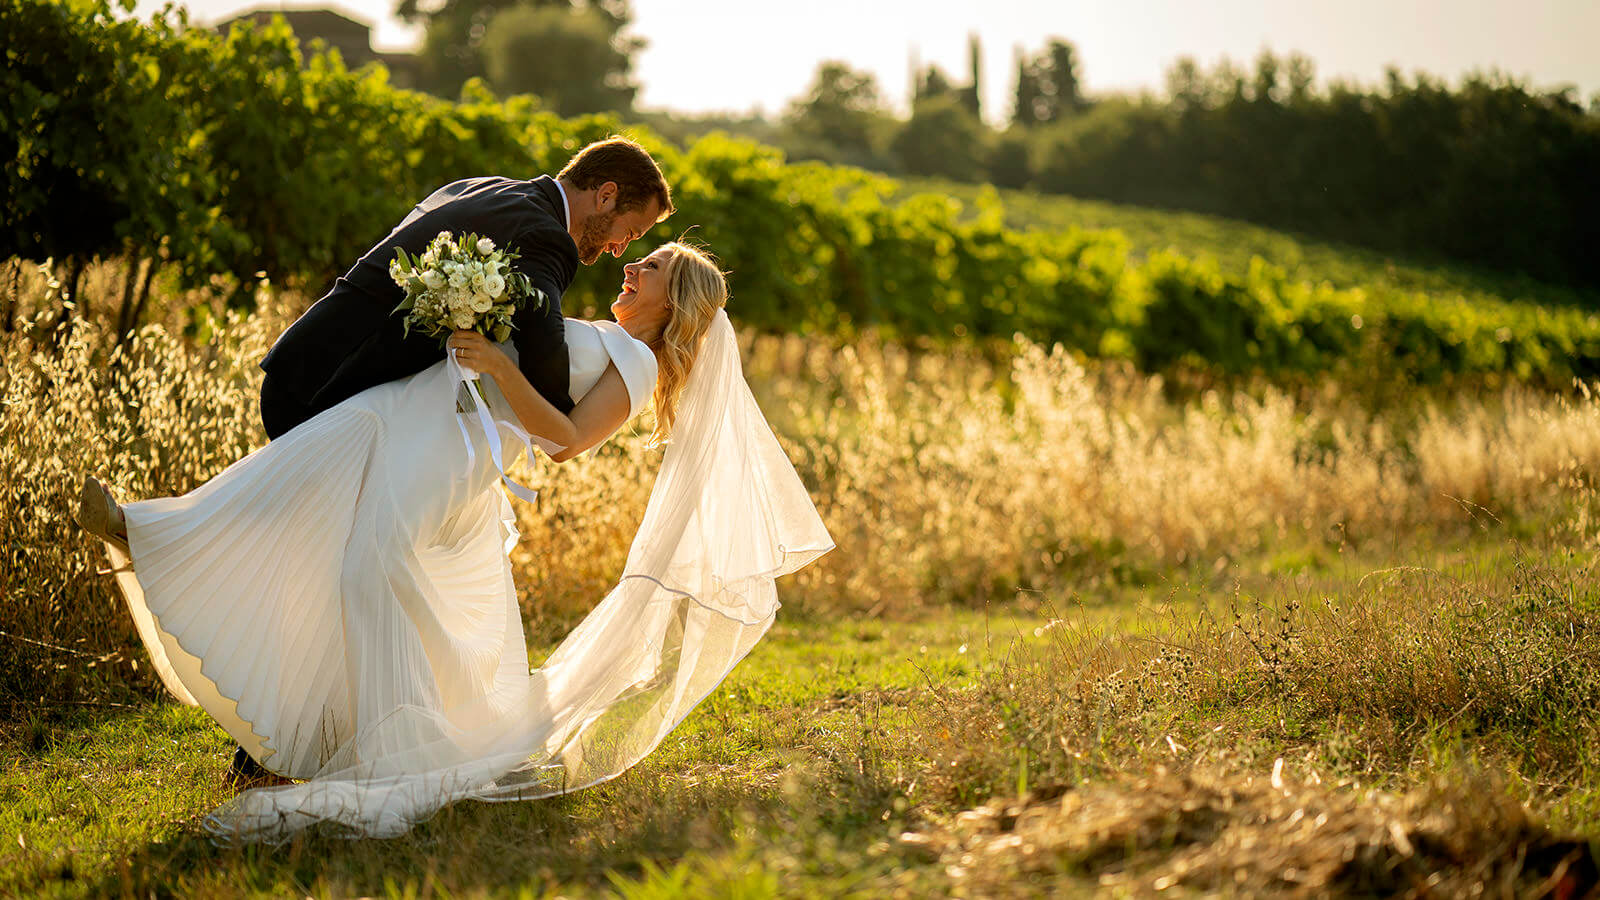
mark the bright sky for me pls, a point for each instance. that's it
(739, 55)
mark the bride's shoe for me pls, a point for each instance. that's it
(99, 514)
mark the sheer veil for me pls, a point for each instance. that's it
(727, 515)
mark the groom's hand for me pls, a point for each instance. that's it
(476, 352)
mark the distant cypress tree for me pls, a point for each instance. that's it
(1064, 78)
(932, 83)
(1025, 109)
(972, 96)
(1047, 86)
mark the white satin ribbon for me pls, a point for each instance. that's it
(463, 375)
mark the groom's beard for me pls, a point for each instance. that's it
(592, 241)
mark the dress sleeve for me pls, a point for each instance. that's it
(634, 360)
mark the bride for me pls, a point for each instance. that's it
(341, 600)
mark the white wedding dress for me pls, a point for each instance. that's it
(341, 600)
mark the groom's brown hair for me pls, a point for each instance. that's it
(628, 165)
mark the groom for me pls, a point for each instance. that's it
(608, 195)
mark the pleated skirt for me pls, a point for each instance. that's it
(349, 578)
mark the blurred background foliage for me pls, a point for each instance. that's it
(221, 160)
(581, 46)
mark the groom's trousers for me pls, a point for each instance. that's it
(280, 411)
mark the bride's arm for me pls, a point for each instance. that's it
(601, 411)
(593, 419)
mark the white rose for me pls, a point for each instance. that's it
(458, 279)
(433, 280)
(485, 246)
(462, 320)
(495, 285)
(481, 303)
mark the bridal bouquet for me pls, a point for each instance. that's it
(463, 284)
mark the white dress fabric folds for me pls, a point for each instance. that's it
(341, 601)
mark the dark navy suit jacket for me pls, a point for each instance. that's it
(352, 339)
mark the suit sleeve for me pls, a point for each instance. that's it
(540, 335)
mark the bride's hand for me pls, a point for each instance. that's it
(476, 352)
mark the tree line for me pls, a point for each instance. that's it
(1491, 171)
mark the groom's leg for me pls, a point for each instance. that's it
(280, 410)
(245, 769)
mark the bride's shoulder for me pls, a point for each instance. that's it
(619, 342)
(583, 333)
(632, 357)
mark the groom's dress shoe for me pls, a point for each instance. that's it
(245, 773)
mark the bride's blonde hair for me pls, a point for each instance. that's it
(696, 289)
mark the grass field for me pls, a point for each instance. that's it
(1082, 634)
(1187, 732)
(97, 788)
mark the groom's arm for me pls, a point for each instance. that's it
(540, 339)
(540, 335)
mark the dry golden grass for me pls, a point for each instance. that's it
(942, 478)
(158, 415)
(1218, 831)
(945, 479)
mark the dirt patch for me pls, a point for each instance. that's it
(1253, 835)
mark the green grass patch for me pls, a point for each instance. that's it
(863, 756)
(813, 731)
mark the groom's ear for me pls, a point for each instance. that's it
(605, 197)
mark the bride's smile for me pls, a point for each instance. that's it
(641, 306)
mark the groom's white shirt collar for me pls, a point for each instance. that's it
(566, 207)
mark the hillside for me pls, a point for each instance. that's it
(1233, 242)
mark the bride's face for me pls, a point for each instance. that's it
(644, 289)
